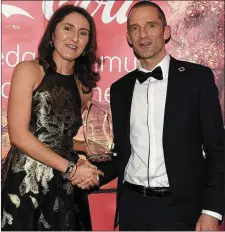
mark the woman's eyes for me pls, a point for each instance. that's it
(84, 33)
(67, 28)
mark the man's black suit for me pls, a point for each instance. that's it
(192, 121)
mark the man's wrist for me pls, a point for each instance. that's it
(213, 214)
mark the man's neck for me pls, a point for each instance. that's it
(151, 63)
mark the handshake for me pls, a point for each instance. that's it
(85, 175)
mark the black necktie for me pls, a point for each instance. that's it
(156, 73)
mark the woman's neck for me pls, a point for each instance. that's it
(64, 67)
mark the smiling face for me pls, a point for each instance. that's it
(71, 36)
(146, 33)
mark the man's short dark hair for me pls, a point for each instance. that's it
(152, 4)
(161, 14)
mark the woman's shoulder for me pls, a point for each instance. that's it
(29, 67)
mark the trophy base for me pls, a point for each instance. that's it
(99, 157)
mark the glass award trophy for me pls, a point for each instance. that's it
(97, 126)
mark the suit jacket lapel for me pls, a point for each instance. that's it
(172, 99)
(128, 91)
(127, 101)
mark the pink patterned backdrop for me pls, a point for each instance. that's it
(197, 36)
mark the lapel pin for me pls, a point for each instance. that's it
(181, 69)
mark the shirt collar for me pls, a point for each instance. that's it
(164, 64)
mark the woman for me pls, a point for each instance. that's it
(44, 114)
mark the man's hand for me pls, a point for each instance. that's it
(85, 177)
(207, 223)
(82, 182)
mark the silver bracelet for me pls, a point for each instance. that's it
(69, 169)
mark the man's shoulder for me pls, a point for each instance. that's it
(123, 80)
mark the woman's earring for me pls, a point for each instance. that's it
(83, 53)
(51, 44)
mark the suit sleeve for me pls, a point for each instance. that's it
(110, 169)
(213, 144)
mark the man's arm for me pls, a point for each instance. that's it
(110, 170)
(213, 144)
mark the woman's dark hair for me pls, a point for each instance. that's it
(86, 65)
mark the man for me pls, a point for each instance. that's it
(162, 122)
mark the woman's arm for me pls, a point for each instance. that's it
(25, 79)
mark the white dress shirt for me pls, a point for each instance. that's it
(146, 165)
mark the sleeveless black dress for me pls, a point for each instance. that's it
(35, 196)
